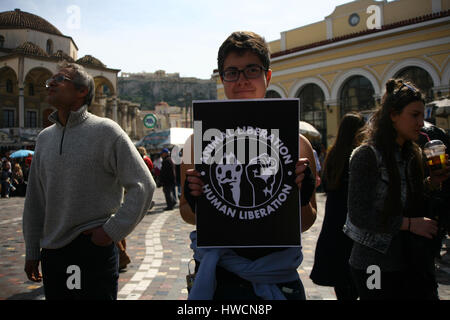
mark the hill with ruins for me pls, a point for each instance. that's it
(148, 89)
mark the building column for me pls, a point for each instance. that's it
(133, 114)
(123, 106)
(21, 107)
(114, 109)
(108, 108)
(20, 78)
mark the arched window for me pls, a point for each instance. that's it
(420, 78)
(357, 95)
(49, 46)
(9, 86)
(272, 94)
(2, 41)
(312, 108)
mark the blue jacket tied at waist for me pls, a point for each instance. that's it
(264, 273)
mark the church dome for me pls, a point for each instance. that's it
(23, 20)
(90, 60)
(29, 48)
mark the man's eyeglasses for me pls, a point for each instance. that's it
(250, 72)
(58, 79)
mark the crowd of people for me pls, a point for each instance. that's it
(14, 176)
(384, 207)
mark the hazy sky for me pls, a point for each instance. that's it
(172, 35)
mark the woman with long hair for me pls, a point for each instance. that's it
(387, 220)
(333, 246)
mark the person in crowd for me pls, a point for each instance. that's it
(391, 256)
(73, 213)
(26, 167)
(333, 246)
(149, 163)
(167, 179)
(18, 181)
(157, 163)
(438, 203)
(178, 174)
(239, 54)
(318, 169)
(146, 158)
(5, 179)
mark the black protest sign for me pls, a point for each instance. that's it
(246, 151)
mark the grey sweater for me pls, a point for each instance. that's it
(76, 182)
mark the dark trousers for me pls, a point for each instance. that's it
(392, 286)
(5, 186)
(396, 285)
(170, 195)
(346, 292)
(81, 271)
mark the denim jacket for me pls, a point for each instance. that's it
(368, 188)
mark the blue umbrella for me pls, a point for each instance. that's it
(21, 154)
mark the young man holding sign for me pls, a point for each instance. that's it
(243, 61)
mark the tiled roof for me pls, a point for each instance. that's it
(29, 48)
(23, 20)
(365, 32)
(90, 60)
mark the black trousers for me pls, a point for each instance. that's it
(346, 292)
(81, 271)
(170, 195)
(396, 285)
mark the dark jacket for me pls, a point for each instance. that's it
(167, 176)
(333, 246)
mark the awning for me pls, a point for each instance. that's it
(165, 138)
(442, 107)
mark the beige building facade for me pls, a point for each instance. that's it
(30, 50)
(341, 64)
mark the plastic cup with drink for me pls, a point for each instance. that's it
(435, 152)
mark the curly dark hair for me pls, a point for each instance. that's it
(241, 42)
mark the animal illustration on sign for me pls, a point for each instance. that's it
(252, 188)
